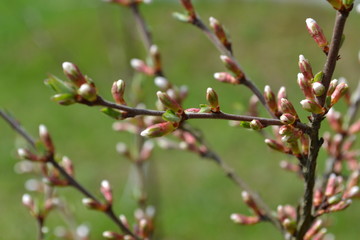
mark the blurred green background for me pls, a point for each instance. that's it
(195, 198)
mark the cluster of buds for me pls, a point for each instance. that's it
(337, 195)
(335, 92)
(80, 88)
(287, 217)
(341, 4)
(143, 227)
(248, 220)
(53, 176)
(190, 16)
(290, 136)
(94, 204)
(220, 33)
(317, 34)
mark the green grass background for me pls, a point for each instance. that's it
(195, 198)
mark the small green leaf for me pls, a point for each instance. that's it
(245, 124)
(59, 86)
(318, 77)
(170, 116)
(112, 113)
(204, 108)
(64, 98)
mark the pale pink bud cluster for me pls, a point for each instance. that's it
(142, 67)
(158, 130)
(226, 78)
(73, 73)
(106, 191)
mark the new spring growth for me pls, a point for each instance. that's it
(281, 94)
(275, 145)
(287, 107)
(212, 98)
(117, 91)
(220, 32)
(339, 91)
(348, 3)
(318, 89)
(244, 220)
(73, 73)
(305, 86)
(159, 129)
(156, 58)
(305, 68)
(141, 66)
(112, 235)
(169, 102)
(287, 118)
(88, 92)
(249, 200)
(26, 154)
(256, 125)
(270, 99)
(289, 225)
(189, 8)
(317, 34)
(232, 66)
(106, 191)
(314, 229)
(46, 139)
(337, 4)
(312, 106)
(226, 78)
(93, 204)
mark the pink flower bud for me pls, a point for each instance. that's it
(305, 86)
(281, 94)
(189, 7)
(117, 91)
(332, 87)
(352, 192)
(141, 66)
(106, 191)
(256, 125)
(275, 145)
(244, 220)
(353, 179)
(28, 202)
(26, 154)
(287, 107)
(92, 204)
(46, 139)
(88, 92)
(331, 185)
(305, 68)
(291, 167)
(340, 206)
(67, 165)
(312, 106)
(339, 91)
(354, 128)
(112, 235)
(220, 32)
(158, 130)
(318, 196)
(287, 118)
(232, 66)
(249, 200)
(212, 98)
(313, 229)
(73, 73)
(318, 89)
(317, 34)
(270, 99)
(169, 102)
(226, 78)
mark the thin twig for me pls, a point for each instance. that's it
(307, 218)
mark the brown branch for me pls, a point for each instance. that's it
(306, 216)
(72, 181)
(142, 26)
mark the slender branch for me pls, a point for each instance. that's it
(332, 57)
(143, 28)
(306, 217)
(132, 112)
(223, 50)
(72, 182)
(40, 222)
(17, 127)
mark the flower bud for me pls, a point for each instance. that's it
(67, 165)
(318, 89)
(226, 78)
(212, 99)
(337, 4)
(305, 86)
(270, 99)
(352, 192)
(117, 91)
(334, 199)
(339, 91)
(169, 102)
(112, 235)
(287, 107)
(275, 145)
(155, 55)
(318, 197)
(332, 87)
(26, 154)
(106, 191)
(287, 118)
(73, 73)
(256, 125)
(317, 34)
(331, 185)
(335, 120)
(305, 68)
(189, 7)
(244, 220)
(340, 206)
(249, 200)
(312, 106)
(46, 139)
(158, 130)
(281, 94)
(28, 202)
(353, 179)
(313, 229)
(93, 204)
(289, 225)
(232, 66)
(182, 17)
(88, 92)
(290, 166)
(220, 32)
(141, 66)
(162, 83)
